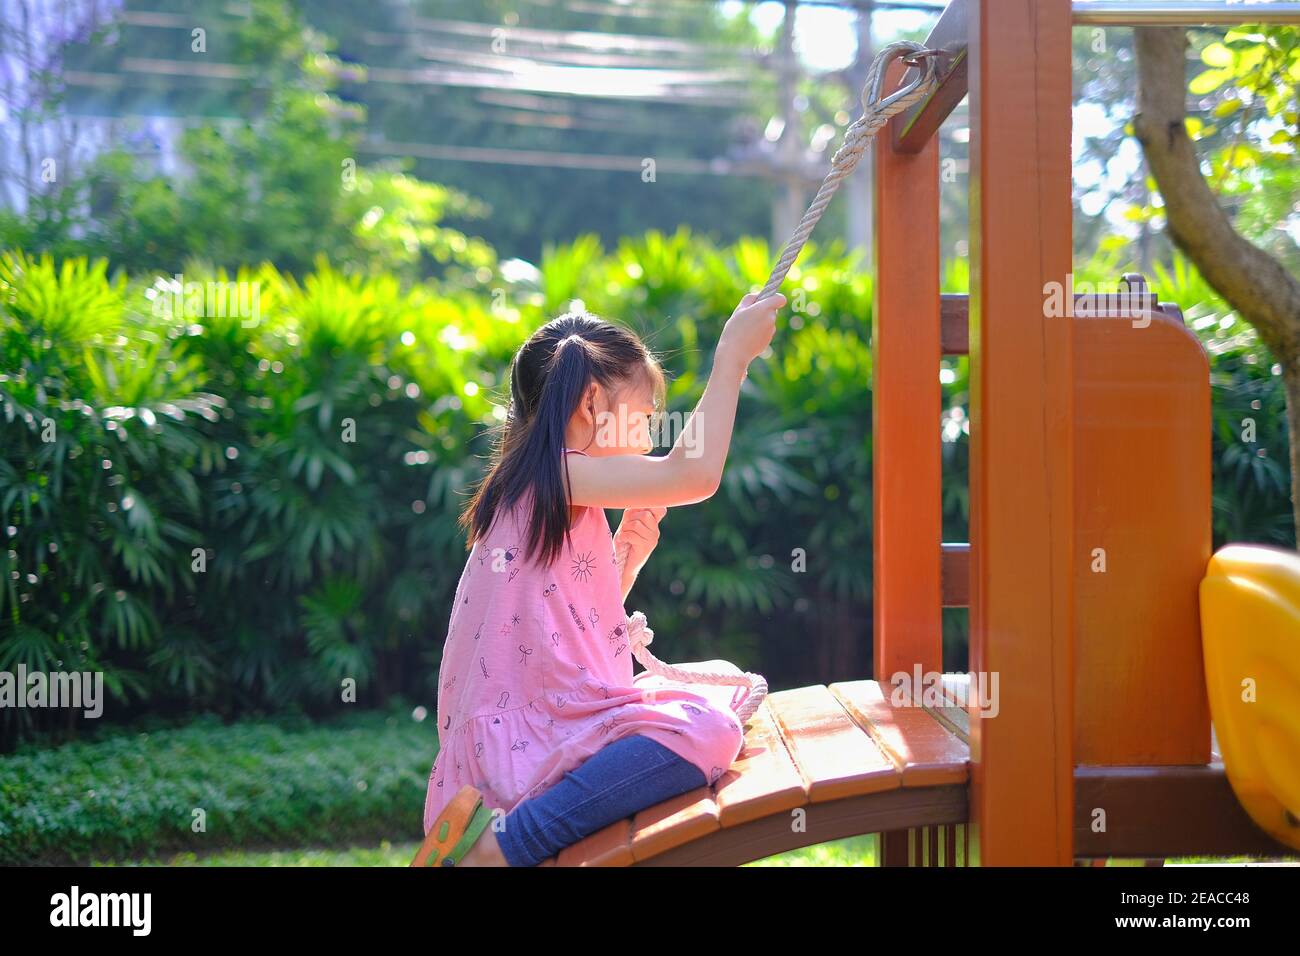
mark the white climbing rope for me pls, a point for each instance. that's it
(876, 112)
(721, 673)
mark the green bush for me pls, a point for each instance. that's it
(316, 460)
(286, 782)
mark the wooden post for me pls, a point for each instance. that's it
(1021, 474)
(906, 399)
(906, 404)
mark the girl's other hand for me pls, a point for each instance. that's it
(637, 535)
(751, 327)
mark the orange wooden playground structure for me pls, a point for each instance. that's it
(1107, 635)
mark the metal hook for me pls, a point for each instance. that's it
(871, 96)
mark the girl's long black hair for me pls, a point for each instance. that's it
(548, 377)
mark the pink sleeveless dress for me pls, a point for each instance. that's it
(536, 673)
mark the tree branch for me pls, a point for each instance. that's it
(1251, 281)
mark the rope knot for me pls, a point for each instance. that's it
(638, 631)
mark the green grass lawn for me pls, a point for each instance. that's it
(854, 851)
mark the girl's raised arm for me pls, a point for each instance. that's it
(692, 469)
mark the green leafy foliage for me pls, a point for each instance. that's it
(237, 513)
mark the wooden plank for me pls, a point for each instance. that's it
(953, 713)
(1021, 471)
(835, 757)
(611, 846)
(1142, 524)
(925, 752)
(918, 125)
(906, 406)
(764, 779)
(897, 809)
(1162, 812)
(684, 818)
(954, 564)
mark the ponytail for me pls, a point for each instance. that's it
(542, 456)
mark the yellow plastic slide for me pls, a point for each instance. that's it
(1250, 632)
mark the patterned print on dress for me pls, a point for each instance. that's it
(616, 637)
(523, 654)
(501, 701)
(576, 619)
(582, 567)
(550, 589)
(609, 724)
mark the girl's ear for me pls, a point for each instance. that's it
(587, 407)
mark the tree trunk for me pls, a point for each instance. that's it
(1252, 282)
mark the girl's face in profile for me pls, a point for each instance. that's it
(624, 419)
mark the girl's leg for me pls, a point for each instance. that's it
(628, 775)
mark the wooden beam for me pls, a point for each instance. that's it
(1021, 470)
(907, 496)
(954, 315)
(918, 125)
(1162, 812)
(906, 406)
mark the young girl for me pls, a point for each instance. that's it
(539, 716)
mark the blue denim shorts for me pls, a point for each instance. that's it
(621, 778)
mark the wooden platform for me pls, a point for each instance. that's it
(819, 763)
(823, 763)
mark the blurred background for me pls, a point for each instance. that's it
(409, 188)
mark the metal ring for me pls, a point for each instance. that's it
(911, 58)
